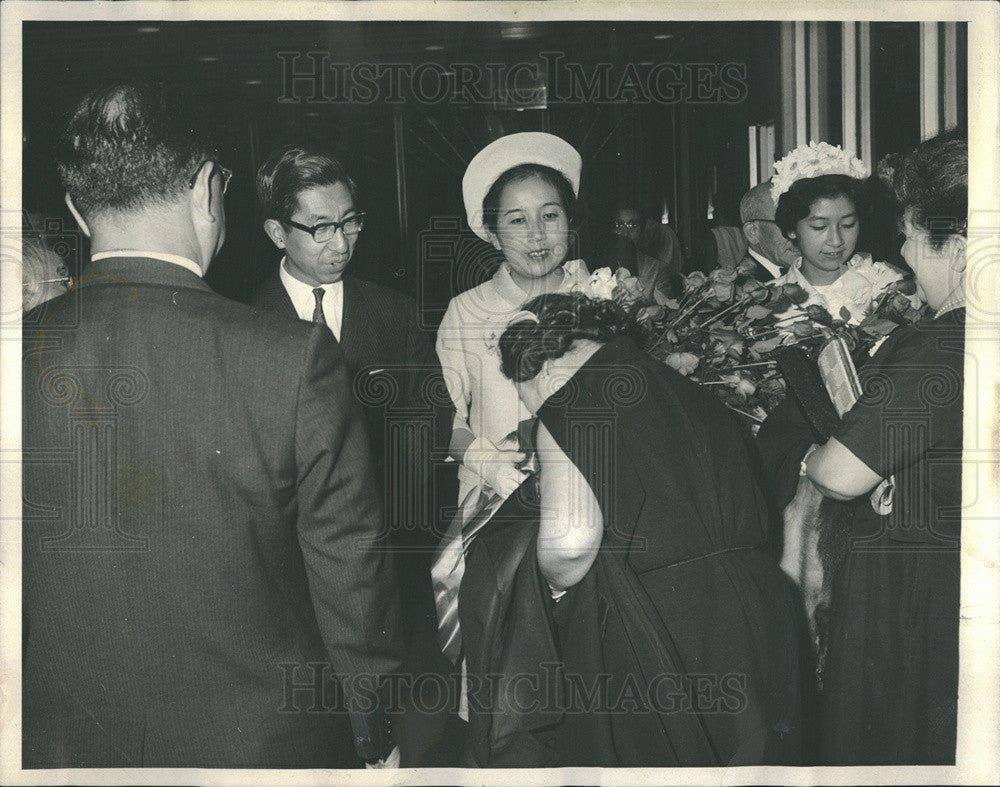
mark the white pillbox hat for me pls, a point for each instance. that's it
(513, 150)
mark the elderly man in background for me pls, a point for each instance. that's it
(770, 252)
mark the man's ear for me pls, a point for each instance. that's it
(751, 231)
(274, 230)
(76, 215)
(202, 195)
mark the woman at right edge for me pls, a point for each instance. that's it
(891, 679)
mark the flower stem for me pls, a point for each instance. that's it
(687, 311)
(717, 315)
(793, 319)
(759, 363)
(751, 416)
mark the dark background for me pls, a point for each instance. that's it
(408, 156)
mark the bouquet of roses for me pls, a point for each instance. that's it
(726, 329)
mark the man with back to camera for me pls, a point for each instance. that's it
(770, 252)
(197, 492)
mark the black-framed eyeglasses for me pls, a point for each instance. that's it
(226, 174)
(626, 225)
(766, 221)
(324, 233)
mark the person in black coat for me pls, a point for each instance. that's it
(632, 617)
(198, 512)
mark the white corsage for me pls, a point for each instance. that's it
(811, 161)
(601, 285)
(620, 286)
(858, 287)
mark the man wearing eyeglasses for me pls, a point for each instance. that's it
(196, 584)
(651, 253)
(770, 252)
(310, 209)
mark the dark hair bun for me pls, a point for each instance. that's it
(563, 318)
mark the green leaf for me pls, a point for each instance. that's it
(879, 328)
(766, 345)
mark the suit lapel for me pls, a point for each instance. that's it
(760, 273)
(763, 274)
(356, 336)
(275, 296)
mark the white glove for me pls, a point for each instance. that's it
(497, 466)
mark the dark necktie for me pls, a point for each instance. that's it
(318, 317)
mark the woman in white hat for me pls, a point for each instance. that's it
(520, 196)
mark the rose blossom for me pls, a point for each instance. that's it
(685, 363)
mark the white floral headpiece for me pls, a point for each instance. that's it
(811, 161)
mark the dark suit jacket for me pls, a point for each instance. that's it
(397, 381)
(392, 360)
(760, 273)
(195, 527)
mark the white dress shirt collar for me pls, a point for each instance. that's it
(176, 259)
(769, 266)
(304, 301)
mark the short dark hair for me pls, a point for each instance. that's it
(292, 169)
(527, 344)
(931, 183)
(796, 203)
(128, 145)
(558, 181)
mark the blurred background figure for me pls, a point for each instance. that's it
(45, 274)
(650, 235)
(725, 247)
(648, 249)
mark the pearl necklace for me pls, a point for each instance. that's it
(950, 304)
